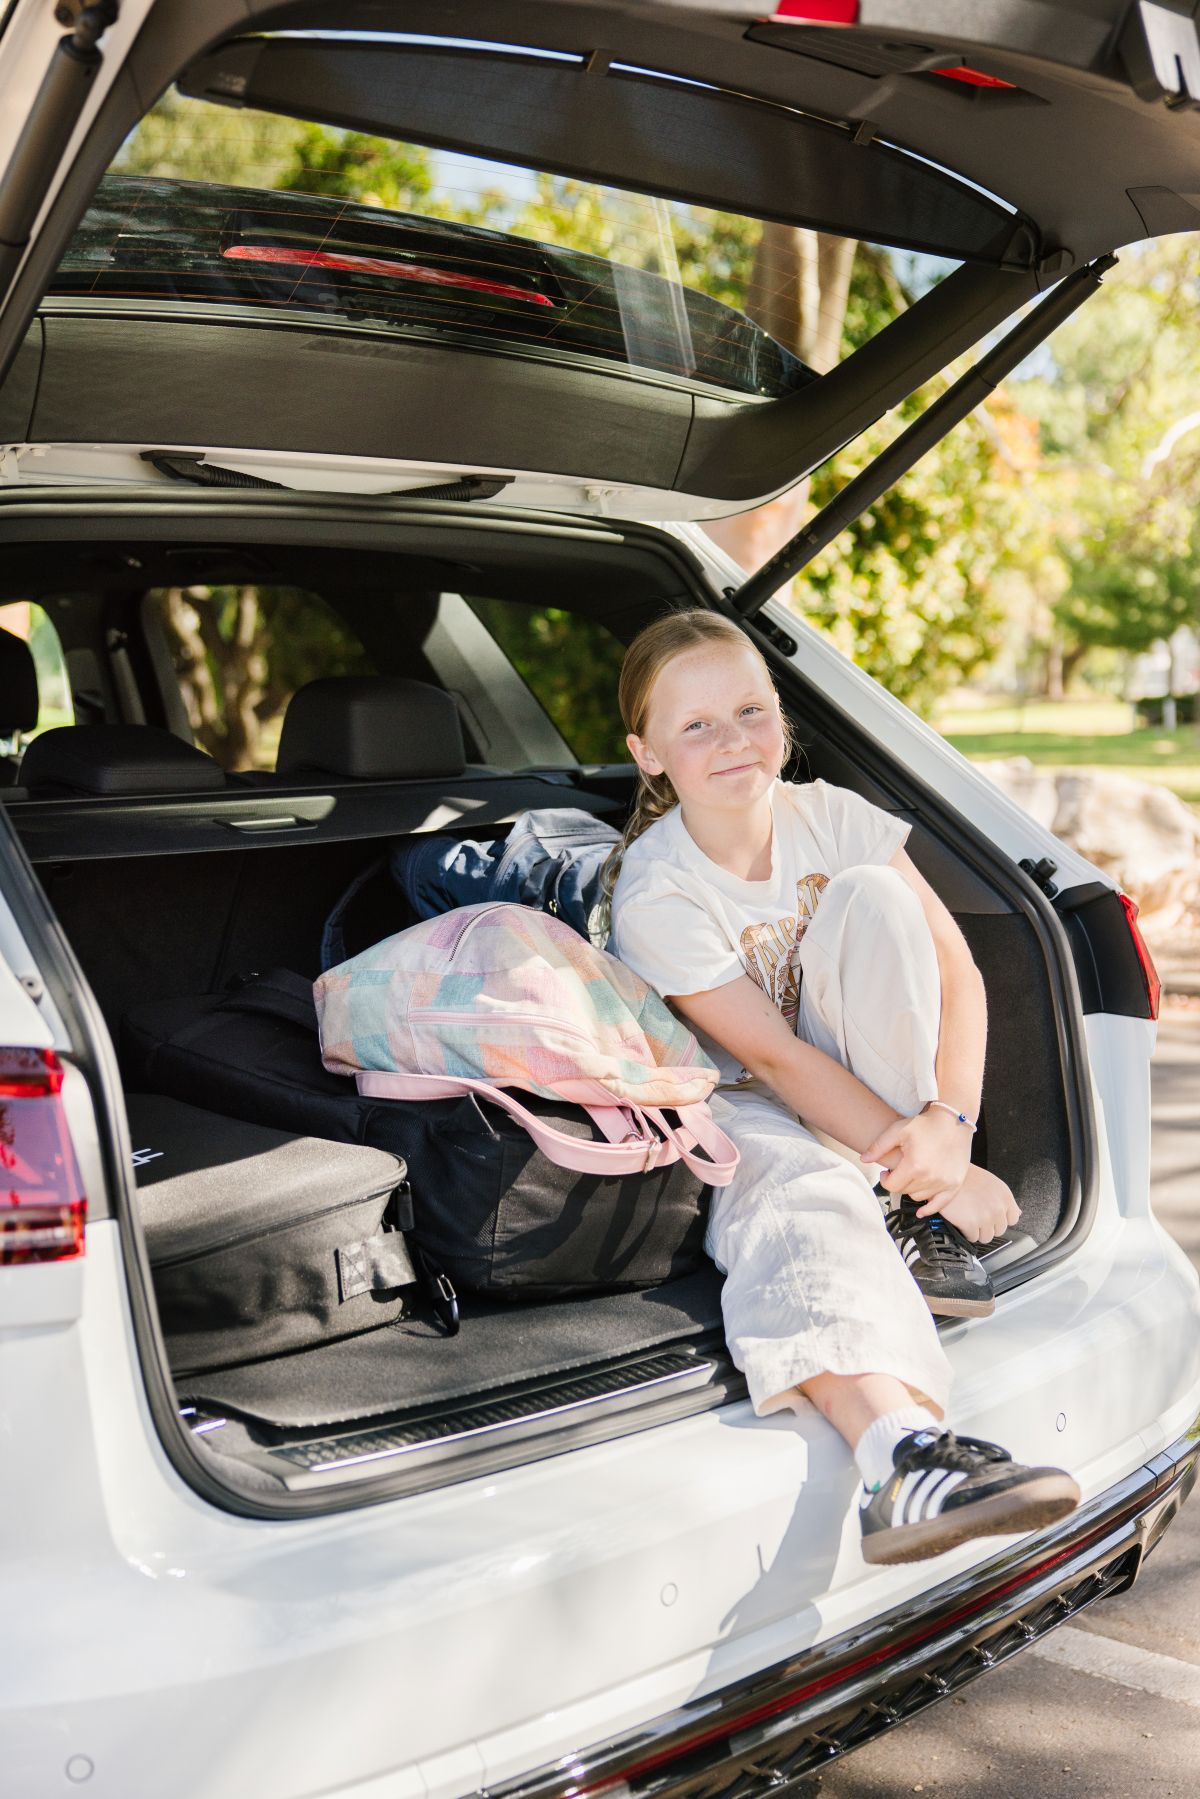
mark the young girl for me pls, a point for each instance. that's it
(840, 1002)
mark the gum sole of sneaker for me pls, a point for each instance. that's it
(1031, 1507)
(961, 1308)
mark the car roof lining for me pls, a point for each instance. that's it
(604, 572)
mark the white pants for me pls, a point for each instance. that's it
(814, 1284)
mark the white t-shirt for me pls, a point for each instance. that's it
(685, 924)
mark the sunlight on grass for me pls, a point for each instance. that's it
(1076, 734)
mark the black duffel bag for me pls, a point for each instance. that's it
(489, 1208)
(260, 1241)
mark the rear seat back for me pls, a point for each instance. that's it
(370, 728)
(115, 759)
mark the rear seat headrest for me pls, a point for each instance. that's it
(371, 728)
(18, 686)
(114, 759)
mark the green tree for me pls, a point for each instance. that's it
(241, 652)
(911, 591)
(1121, 441)
(351, 165)
(192, 140)
(572, 671)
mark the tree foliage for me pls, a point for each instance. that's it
(1117, 408)
(571, 666)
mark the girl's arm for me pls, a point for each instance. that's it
(741, 1018)
(928, 1156)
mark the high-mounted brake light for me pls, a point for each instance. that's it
(286, 256)
(1145, 959)
(974, 78)
(42, 1206)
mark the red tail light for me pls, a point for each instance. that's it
(285, 256)
(42, 1205)
(1149, 972)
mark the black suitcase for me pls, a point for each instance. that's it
(489, 1207)
(262, 1242)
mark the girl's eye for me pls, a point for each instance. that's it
(697, 724)
(746, 709)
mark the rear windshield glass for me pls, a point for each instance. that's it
(211, 207)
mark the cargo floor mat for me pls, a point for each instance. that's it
(413, 1363)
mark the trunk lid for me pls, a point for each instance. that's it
(1017, 142)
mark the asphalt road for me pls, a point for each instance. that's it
(1107, 1707)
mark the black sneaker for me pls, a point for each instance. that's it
(946, 1489)
(941, 1261)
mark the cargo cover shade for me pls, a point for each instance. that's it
(1024, 138)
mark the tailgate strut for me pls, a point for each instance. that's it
(938, 418)
(52, 118)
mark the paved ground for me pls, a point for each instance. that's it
(1107, 1708)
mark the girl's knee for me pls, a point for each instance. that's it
(880, 886)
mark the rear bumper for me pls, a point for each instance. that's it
(780, 1725)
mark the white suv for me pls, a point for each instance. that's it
(557, 1554)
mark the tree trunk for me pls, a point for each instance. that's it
(1070, 662)
(1054, 670)
(798, 291)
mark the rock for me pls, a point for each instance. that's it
(1135, 831)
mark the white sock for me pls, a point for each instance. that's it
(873, 1452)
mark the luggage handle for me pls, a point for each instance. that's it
(698, 1129)
(635, 1150)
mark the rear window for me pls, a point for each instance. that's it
(208, 207)
(28, 621)
(240, 652)
(571, 665)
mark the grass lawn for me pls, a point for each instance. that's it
(1074, 734)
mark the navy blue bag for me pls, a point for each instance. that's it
(551, 859)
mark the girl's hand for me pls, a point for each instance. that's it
(982, 1209)
(926, 1157)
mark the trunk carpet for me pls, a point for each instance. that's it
(413, 1363)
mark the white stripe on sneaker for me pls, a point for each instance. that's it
(922, 1495)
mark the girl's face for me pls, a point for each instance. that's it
(713, 728)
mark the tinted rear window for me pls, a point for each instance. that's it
(207, 206)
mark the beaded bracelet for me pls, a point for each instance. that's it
(954, 1112)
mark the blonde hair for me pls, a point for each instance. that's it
(645, 659)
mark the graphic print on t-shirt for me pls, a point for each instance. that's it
(770, 951)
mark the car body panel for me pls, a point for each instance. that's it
(352, 1640)
(157, 1635)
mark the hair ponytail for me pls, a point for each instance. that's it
(654, 799)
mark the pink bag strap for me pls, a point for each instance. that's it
(698, 1129)
(632, 1148)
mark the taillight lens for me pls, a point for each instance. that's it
(1146, 960)
(42, 1206)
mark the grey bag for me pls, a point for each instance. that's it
(262, 1242)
